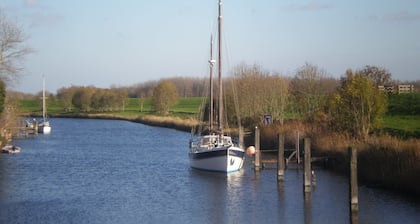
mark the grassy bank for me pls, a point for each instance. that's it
(182, 116)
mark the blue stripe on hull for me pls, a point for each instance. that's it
(216, 153)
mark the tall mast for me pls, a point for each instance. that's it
(211, 63)
(43, 98)
(219, 42)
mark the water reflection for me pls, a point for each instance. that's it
(354, 217)
(307, 208)
(95, 171)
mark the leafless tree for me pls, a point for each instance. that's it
(12, 49)
(165, 95)
(260, 92)
(309, 88)
(380, 76)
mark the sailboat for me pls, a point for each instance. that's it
(44, 126)
(214, 150)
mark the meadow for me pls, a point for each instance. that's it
(402, 119)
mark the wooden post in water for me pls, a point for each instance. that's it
(35, 124)
(307, 165)
(297, 148)
(280, 159)
(257, 160)
(241, 137)
(354, 197)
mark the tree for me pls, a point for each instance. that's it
(359, 105)
(258, 92)
(121, 98)
(309, 89)
(65, 95)
(2, 96)
(12, 50)
(165, 95)
(82, 98)
(379, 76)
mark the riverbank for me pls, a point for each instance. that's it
(384, 161)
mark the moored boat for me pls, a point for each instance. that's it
(12, 149)
(215, 150)
(44, 126)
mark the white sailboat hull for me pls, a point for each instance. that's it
(44, 128)
(218, 159)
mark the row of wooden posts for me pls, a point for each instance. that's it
(309, 175)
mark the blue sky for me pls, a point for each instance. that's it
(120, 43)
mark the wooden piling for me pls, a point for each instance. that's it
(354, 197)
(241, 137)
(280, 159)
(297, 148)
(257, 160)
(307, 165)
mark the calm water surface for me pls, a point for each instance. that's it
(104, 171)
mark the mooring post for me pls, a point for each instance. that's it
(354, 197)
(257, 161)
(35, 124)
(241, 137)
(297, 148)
(280, 159)
(307, 165)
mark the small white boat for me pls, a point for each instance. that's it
(12, 149)
(44, 126)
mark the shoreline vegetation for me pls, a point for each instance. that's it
(387, 159)
(384, 161)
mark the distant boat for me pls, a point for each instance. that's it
(44, 126)
(10, 149)
(215, 151)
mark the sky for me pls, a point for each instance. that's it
(108, 43)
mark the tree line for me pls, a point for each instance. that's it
(92, 99)
(352, 103)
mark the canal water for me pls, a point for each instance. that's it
(108, 171)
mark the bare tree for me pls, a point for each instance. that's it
(165, 95)
(379, 76)
(308, 89)
(260, 92)
(12, 49)
(12, 52)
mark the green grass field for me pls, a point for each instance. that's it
(397, 123)
(186, 107)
